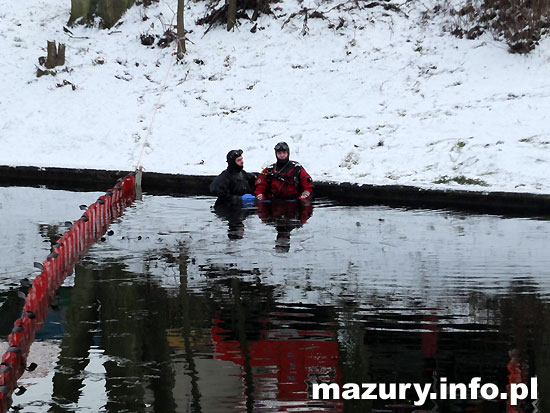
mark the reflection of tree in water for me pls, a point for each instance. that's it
(355, 356)
(133, 335)
(507, 344)
(281, 348)
(148, 333)
(11, 305)
(525, 322)
(145, 329)
(50, 232)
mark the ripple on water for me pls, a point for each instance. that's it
(178, 310)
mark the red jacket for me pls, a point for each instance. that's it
(287, 183)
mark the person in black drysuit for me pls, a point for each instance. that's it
(234, 188)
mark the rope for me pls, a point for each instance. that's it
(157, 105)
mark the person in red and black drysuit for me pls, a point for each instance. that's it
(285, 179)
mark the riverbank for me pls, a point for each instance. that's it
(490, 202)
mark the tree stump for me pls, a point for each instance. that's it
(61, 54)
(56, 55)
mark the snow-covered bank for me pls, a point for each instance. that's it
(389, 98)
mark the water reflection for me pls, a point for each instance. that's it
(284, 216)
(235, 216)
(235, 347)
(169, 315)
(230, 348)
(127, 321)
(30, 218)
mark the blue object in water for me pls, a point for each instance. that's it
(248, 200)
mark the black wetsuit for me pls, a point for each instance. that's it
(232, 184)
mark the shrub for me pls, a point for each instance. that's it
(521, 23)
(461, 180)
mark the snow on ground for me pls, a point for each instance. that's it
(389, 98)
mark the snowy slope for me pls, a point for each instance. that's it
(389, 98)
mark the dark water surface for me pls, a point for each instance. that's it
(187, 309)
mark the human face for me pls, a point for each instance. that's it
(239, 161)
(281, 155)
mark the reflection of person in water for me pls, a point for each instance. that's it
(234, 188)
(234, 215)
(284, 216)
(279, 353)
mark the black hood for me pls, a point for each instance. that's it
(231, 156)
(282, 146)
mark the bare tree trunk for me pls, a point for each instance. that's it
(81, 9)
(231, 14)
(181, 30)
(110, 11)
(259, 9)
